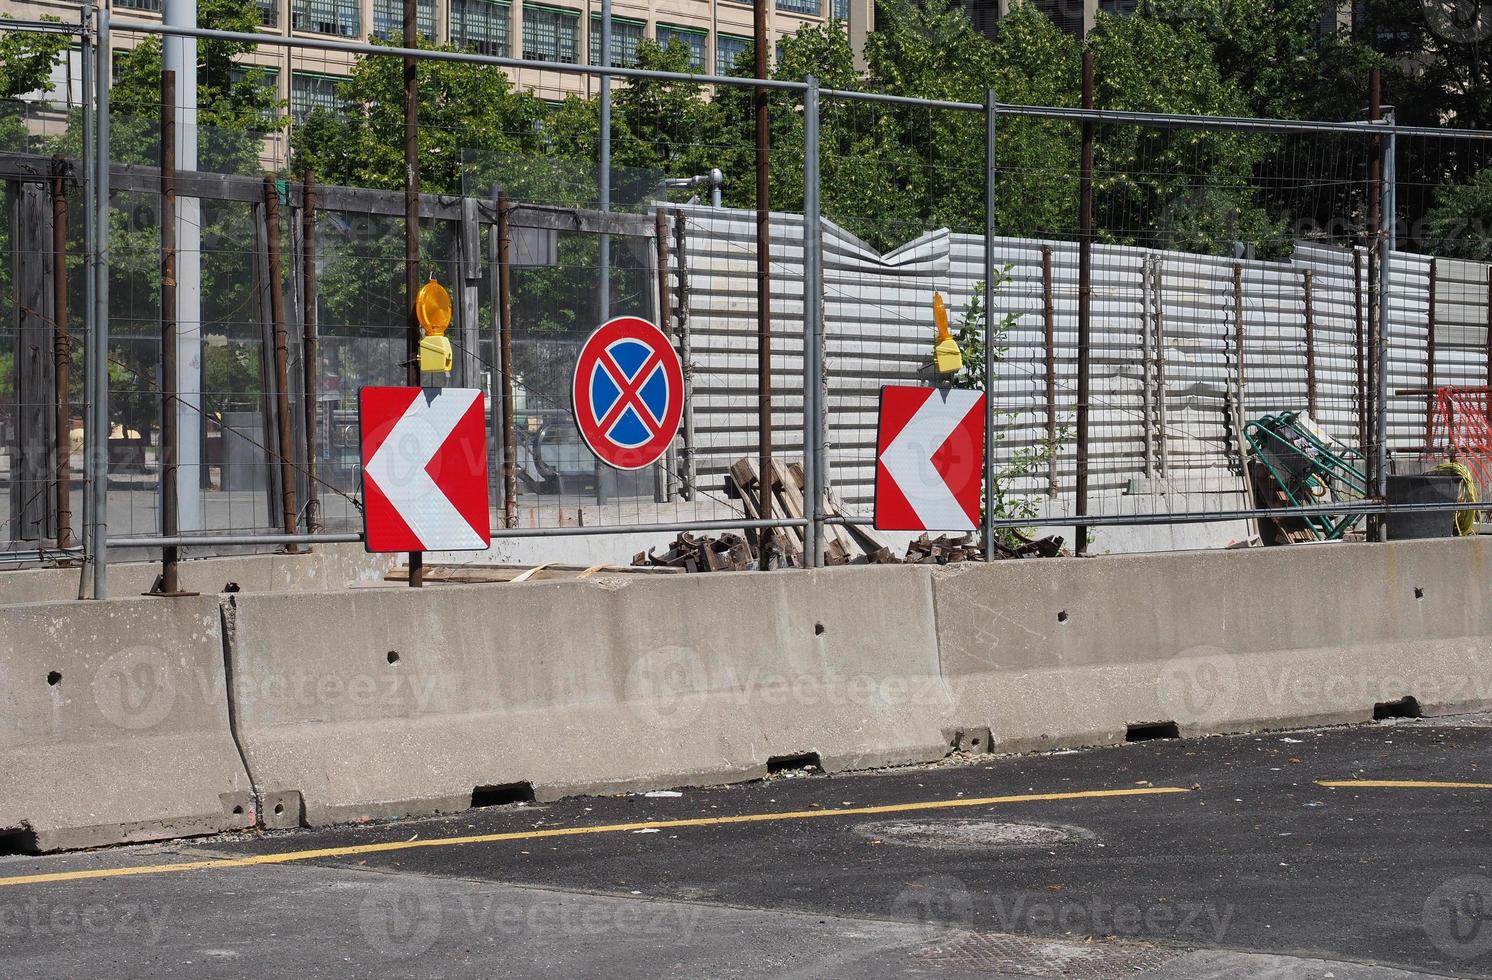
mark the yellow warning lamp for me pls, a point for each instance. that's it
(432, 307)
(947, 358)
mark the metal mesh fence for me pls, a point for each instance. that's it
(1234, 281)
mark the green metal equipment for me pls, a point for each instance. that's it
(1309, 467)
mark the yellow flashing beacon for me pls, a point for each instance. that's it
(432, 307)
(947, 358)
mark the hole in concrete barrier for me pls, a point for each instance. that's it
(818, 629)
(1062, 616)
(54, 678)
(501, 795)
(393, 656)
(17, 840)
(1151, 731)
(238, 811)
(1405, 707)
(279, 809)
(803, 762)
(1419, 593)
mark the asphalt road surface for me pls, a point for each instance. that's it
(1346, 852)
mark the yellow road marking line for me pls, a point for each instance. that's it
(1397, 784)
(615, 828)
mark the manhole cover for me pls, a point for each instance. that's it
(973, 833)
(1036, 956)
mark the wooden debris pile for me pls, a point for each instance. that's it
(702, 553)
(947, 549)
(843, 544)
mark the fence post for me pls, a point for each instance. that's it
(1386, 244)
(169, 584)
(665, 472)
(98, 346)
(61, 354)
(813, 462)
(284, 445)
(1361, 350)
(686, 352)
(505, 348)
(308, 351)
(763, 290)
(85, 58)
(1085, 303)
(1049, 339)
(412, 232)
(988, 511)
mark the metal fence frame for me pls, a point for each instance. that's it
(95, 31)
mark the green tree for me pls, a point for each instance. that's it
(1460, 221)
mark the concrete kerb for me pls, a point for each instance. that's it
(358, 705)
(1062, 653)
(114, 725)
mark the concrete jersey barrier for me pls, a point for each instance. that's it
(1073, 652)
(359, 704)
(114, 725)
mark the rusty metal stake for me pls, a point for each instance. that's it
(1049, 325)
(284, 443)
(308, 346)
(169, 583)
(61, 353)
(1360, 339)
(505, 343)
(1308, 286)
(412, 231)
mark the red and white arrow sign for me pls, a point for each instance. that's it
(424, 454)
(929, 459)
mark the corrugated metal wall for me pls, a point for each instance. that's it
(878, 325)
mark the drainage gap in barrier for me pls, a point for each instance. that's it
(1405, 707)
(802, 762)
(483, 796)
(1152, 731)
(17, 840)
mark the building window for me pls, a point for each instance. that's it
(626, 35)
(269, 13)
(337, 17)
(549, 34)
(814, 7)
(728, 47)
(309, 92)
(483, 26)
(839, 9)
(269, 78)
(388, 19)
(698, 42)
(139, 4)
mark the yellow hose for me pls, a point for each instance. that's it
(1465, 519)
